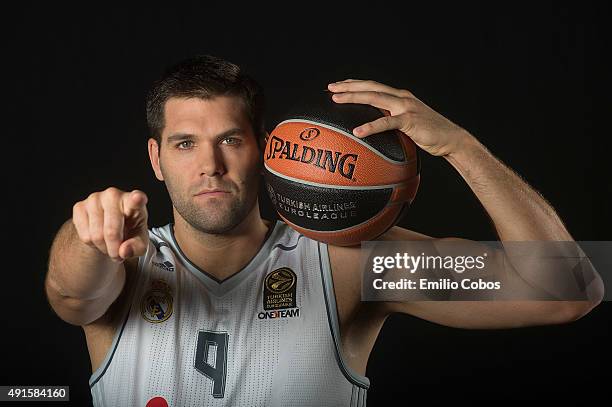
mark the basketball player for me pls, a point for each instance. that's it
(222, 307)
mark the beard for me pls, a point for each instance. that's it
(216, 215)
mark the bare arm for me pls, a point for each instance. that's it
(86, 271)
(518, 212)
(81, 282)
(486, 314)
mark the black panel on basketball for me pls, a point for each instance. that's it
(320, 108)
(286, 196)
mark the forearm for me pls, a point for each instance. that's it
(518, 212)
(79, 271)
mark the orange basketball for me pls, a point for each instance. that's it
(332, 186)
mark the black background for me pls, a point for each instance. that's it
(529, 83)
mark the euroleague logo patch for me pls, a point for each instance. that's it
(279, 294)
(280, 281)
(156, 305)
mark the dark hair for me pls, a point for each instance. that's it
(205, 77)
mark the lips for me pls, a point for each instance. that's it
(211, 192)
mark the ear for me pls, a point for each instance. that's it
(154, 157)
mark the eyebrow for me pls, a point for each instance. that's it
(186, 136)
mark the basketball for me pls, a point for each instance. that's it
(332, 186)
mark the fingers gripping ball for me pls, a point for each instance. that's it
(332, 186)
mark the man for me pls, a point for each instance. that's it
(175, 315)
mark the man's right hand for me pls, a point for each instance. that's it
(113, 222)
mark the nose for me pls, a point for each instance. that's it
(211, 161)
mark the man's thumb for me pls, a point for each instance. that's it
(133, 247)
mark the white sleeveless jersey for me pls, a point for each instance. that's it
(266, 336)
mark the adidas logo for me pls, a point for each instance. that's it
(164, 266)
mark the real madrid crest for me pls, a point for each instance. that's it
(156, 306)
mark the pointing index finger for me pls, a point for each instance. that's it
(134, 203)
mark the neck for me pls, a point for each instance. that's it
(226, 254)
